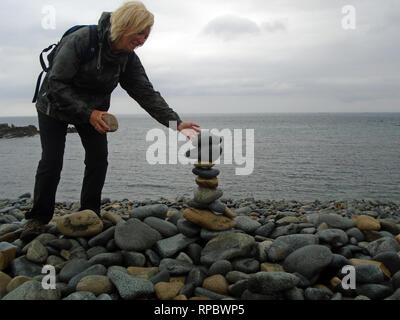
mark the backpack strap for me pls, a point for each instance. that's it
(90, 53)
(45, 69)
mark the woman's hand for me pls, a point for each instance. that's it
(97, 122)
(189, 129)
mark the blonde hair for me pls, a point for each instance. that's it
(132, 17)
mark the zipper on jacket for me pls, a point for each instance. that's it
(99, 56)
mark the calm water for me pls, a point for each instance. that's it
(296, 157)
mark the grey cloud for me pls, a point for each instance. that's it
(274, 26)
(229, 27)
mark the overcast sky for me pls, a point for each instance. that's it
(229, 55)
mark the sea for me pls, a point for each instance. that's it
(270, 156)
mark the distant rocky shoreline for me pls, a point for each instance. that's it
(8, 132)
(278, 250)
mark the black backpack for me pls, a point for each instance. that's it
(89, 54)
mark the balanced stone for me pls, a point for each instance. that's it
(217, 206)
(207, 182)
(206, 173)
(206, 196)
(206, 165)
(80, 224)
(208, 220)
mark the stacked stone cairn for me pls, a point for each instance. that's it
(205, 209)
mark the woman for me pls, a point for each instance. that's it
(78, 92)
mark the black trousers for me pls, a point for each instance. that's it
(52, 136)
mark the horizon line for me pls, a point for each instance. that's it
(237, 113)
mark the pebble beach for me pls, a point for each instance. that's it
(269, 250)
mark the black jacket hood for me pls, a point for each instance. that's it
(105, 44)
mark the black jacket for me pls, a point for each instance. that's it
(71, 90)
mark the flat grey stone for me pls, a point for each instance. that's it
(332, 220)
(81, 295)
(246, 265)
(172, 245)
(374, 291)
(390, 259)
(369, 273)
(220, 267)
(265, 230)
(188, 228)
(95, 251)
(317, 294)
(217, 206)
(165, 228)
(95, 270)
(335, 237)
(227, 246)
(107, 259)
(211, 234)
(134, 235)
(206, 195)
(33, 290)
(308, 260)
(382, 245)
(102, 238)
(200, 291)
(23, 267)
(134, 259)
(394, 296)
(129, 287)
(72, 268)
(285, 245)
(175, 267)
(154, 210)
(270, 282)
(292, 228)
(246, 224)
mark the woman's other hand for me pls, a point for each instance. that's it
(189, 129)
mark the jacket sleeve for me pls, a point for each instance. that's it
(136, 83)
(62, 95)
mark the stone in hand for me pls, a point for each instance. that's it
(111, 121)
